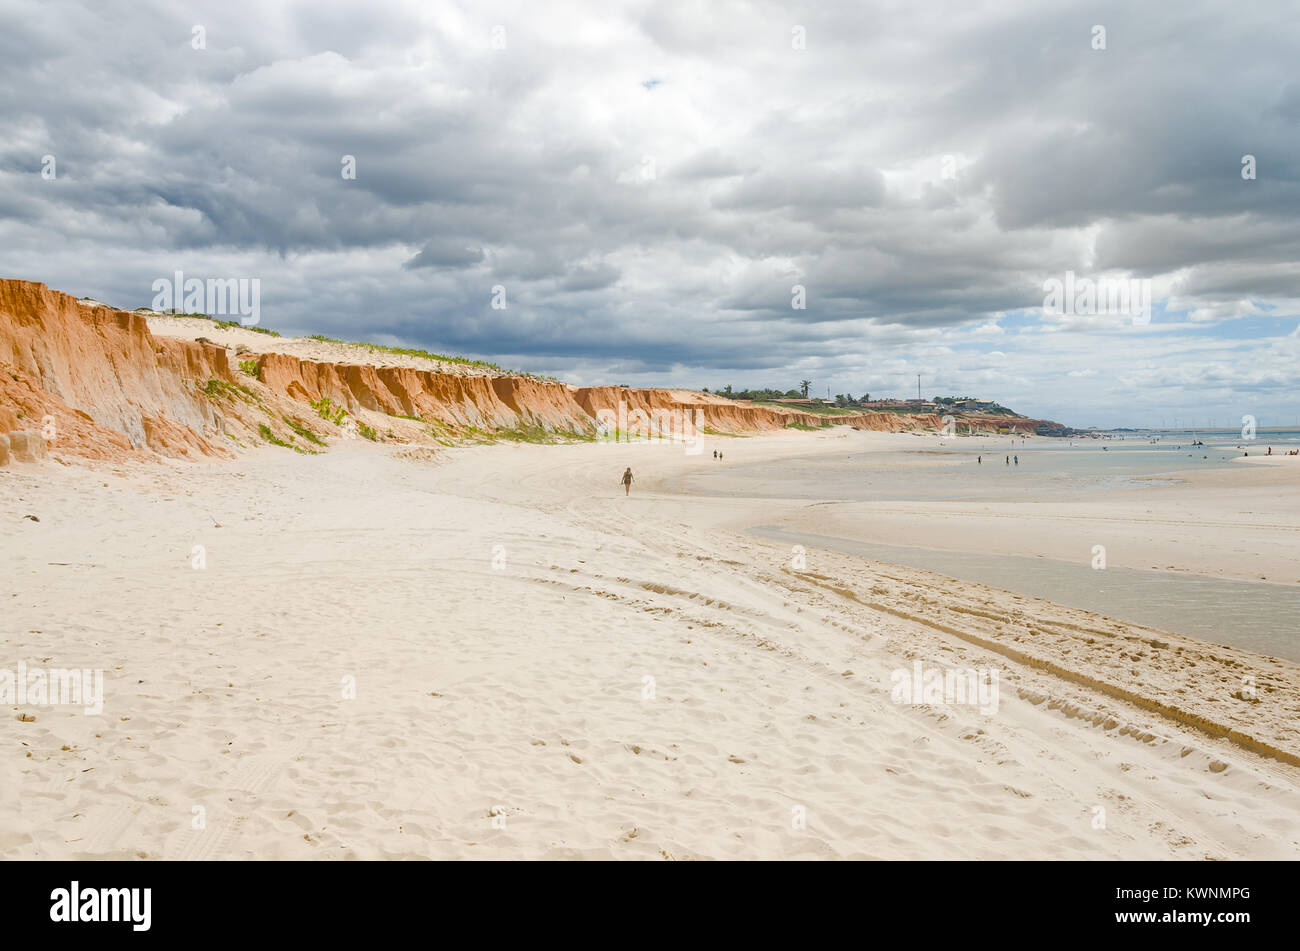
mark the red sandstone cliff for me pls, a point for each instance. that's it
(93, 382)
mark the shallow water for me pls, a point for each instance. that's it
(953, 470)
(1252, 616)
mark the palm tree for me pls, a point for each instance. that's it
(803, 385)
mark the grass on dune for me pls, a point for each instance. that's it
(329, 410)
(429, 355)
(819, 409)
(406, 352)
(304, 432)
(265, 432)
(215, 388)
(537, 434)
(710, 431)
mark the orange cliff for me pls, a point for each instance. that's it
(95, 383)
(91, 382)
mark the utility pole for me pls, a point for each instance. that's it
(918, 387)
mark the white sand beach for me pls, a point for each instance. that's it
(545, 668)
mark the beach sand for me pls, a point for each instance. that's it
(543, 668)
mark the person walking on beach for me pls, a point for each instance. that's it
(979, 460)
(715, 454)
(1017, 460)
(1008, 460)
(627, 481)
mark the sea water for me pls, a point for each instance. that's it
(1248, 615)
(947, 469)
(1254, 616)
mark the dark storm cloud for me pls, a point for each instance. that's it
(446, 253)
(919, 169)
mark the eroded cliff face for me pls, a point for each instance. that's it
(96, 383)
(93, 382)
(456, 401)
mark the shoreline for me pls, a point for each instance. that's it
(1221, 602)
(1215, 522)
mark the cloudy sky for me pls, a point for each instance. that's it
(648, 181)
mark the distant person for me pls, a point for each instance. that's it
(1017, 460)
(627, 481)
(719, 455)
(715, 454)
(1008, 460)
(979, 460)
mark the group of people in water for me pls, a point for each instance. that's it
(1293, 452)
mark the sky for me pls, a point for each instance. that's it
(642, 192)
